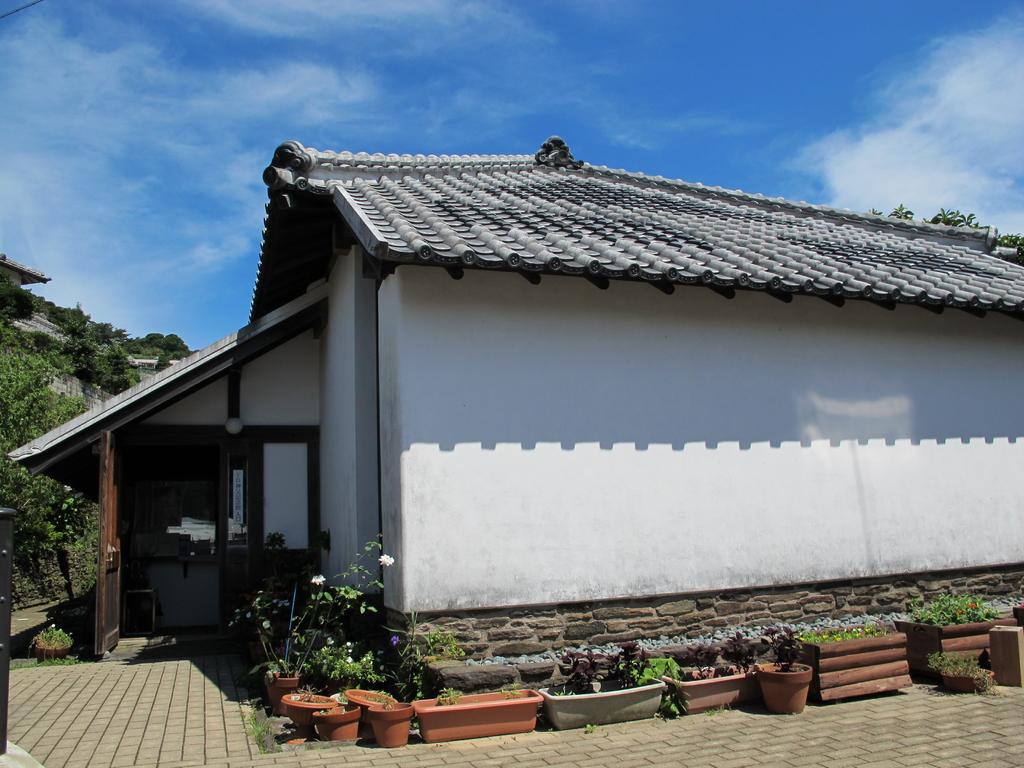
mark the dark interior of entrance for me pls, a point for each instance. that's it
(171, 538)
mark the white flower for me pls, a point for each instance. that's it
(318, 580)
(386, 560)
(349, 659)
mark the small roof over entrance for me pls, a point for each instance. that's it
(66, 451)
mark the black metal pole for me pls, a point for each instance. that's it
(6, 553)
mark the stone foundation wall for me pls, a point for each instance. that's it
(531, 630)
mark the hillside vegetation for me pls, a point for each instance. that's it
(54, 524)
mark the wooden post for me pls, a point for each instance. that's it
(1006, 650)
(6, 555)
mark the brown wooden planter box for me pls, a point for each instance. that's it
(926, 639)
(849, 668)
(1018, 614)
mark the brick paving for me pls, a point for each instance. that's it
(178, 714)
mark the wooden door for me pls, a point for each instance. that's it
(108, 561)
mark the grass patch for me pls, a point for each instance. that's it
(260, 730)
(32, 663)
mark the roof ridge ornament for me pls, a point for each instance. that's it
(291, 162)
(554, 153)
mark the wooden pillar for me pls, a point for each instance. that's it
(6, 556)
(108, 551)
(1006, 650)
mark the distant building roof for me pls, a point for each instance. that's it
(28, 275)
(549, 213)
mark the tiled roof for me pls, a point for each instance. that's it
(29, 275)
(549, 213)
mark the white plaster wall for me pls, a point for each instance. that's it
(286, 492)
(205, 406)
(560, 443)
(348, 413)
(280, 388)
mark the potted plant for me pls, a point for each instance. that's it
(453, 716)
(784, 683)
(855, 661)
(962, 674)
(301, 706)
(364, 700)
(390, 723)
(950, 624)
(52, 643)
(705, 684)
(602, 689)
(340, 723)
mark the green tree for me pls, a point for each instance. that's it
(15, 301)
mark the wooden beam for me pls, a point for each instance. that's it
(835, 301)
(785, 298)
(533, 278)
(234, 393)
(598, 281)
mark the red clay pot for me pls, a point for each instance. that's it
(45, 654)
(727, 691)
(478, 715)
(391, 726)
(338, 724)
(960, 683)
(364, 700)
(301, 712)
(784, 693)
(277, 687)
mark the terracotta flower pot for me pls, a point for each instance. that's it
(364, 700)
(277, 687)
(301, 711)
(785, 693)
(391, 726)
(727, 691)
(960, 683)
(338, 724)
(478, 715)
(45, 654)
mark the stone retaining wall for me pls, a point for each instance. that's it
(531, 630)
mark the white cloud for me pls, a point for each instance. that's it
(416, 24)
(950, 133)
(653, 133)
(134, 180)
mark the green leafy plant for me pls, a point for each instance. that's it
(953, 609)
(448, 697)
(590, 728)
(835, 635)
(673, 703)
(53, 638)
(414, 648)
(512, 691)
(954, 665)
(784, 645)
(340, 665)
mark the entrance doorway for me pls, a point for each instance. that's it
(171, 537)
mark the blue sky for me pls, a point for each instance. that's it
(135, 133)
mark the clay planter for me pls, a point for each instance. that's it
(478, 715)
(301, 712)
(601, 707)
(364, 700)
(926, 639)
(848, 668)
(340, 723)
(785, 693)
(391, 726)
(277, 687)
(960, 683)
(46, 654)
(728, 691)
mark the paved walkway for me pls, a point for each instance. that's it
(172, 714)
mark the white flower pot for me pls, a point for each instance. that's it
(613, 706)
